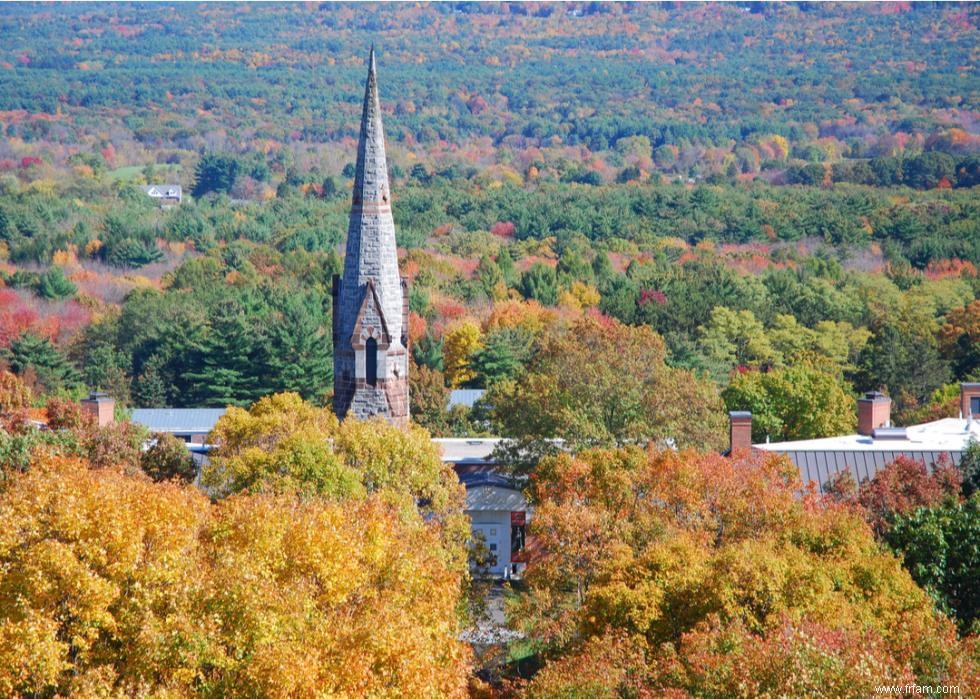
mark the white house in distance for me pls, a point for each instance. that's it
(164, 194)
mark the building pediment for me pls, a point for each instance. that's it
(370, 321)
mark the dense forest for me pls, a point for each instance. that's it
(644, 162)
(621, 220)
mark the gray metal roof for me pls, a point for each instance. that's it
(465, 396)
(821, 459)
(821, 466)
(488, 497)
(178, 420)
(461, 450)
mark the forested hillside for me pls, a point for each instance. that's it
(621, 220)
(764, 185)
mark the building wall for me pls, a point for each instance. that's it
(495, 527)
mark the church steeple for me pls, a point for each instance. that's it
(371, 300)
(371, 176)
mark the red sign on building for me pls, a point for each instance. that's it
(518, 519)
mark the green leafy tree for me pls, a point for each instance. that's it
(840, 342)
(805, 400)
(735, 338)
(939, 547)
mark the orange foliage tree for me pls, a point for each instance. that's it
(691, 574)
(900, 488)
(959, 338)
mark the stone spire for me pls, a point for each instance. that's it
(371, 178)
(371, 300)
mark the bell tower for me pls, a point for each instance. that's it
(370, 300)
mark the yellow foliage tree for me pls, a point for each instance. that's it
(284, 444)
(14, 393)
(460, 342)
(579, 296)
(114, 585)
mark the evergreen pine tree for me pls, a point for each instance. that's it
(150, 387)
(503, 354)
(53, 370)
(225, 360)
(53, 284)
(505, 263)
(215, 173)
(300, 356)
(490, 276)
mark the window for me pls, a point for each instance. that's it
(975, 405)
(371, 361)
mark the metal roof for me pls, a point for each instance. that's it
(489, 489)
(465, 396)
(821, 466)
(819, 460)
(178, 420)
(487, 497)
(483, 478)
(473, 450)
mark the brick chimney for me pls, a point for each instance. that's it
(101, 407)
(970, 400)
(740, 432)
(874, 411)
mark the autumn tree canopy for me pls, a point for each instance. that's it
(600, 382)
(688, 573)
(114, 584)
(284, 444)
